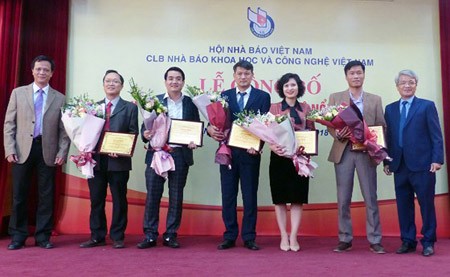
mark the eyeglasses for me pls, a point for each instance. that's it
(115, 82)
(410, 83)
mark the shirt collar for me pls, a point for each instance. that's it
(114, 101)
(45, 89)
(360, 99)
(166, 96)
(407, 100)
(247, 90)
(284, 105)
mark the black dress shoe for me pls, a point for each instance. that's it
(226, 244)
(171, 242)
(251, 244)
(92, 243)
(14, 245)
(406, 248)
(46, 244)
(146, 243)
(117, 244)
(428, 251)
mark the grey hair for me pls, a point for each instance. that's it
(407, 72)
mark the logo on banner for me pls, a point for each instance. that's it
(261, 24)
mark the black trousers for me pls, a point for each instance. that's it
(22, 174)
(98, 185)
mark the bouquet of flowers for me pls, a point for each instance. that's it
(338, 117)
(214, 107)
(157, 121)
(149, 105)
(277, 129)
(83, 122)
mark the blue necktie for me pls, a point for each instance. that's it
(241, 100)
(402, 123)
(38, 105)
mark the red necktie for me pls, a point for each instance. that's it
(107, 116)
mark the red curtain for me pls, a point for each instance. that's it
(29, 28)
(10, 26)
(444, 22)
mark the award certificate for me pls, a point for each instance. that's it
(184, 132)
(241, 138)
(380, 139)
(121, 144)
(309, 140)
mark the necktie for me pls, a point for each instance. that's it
(402, 123)
(38, 105)
(241, 100)
(107, 116)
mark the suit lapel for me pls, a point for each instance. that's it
(120, 106)
(252, 97)
(30, 97)
(185, 108)
(50, 97)
(415, 105)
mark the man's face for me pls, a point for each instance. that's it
(243, 78)
(174, 82)
(355, 77)
(406, 86)
(112, 85)
(42, 73)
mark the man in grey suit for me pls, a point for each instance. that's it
(346, 161)
(121, 116)
(179, 107)
(34, 139)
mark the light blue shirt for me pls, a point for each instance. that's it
(409, 101)
(114, 104)
(246, 96)
(358, 102)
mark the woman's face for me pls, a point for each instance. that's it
(290, 89)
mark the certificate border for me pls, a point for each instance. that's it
(169, 141)
(316, 152)
(230, 136)
(118, 154)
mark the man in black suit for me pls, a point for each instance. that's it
(179, 107)
(245, 163)
(121, 116)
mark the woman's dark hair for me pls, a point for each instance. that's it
(284, 79)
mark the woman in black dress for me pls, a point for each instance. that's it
(285, 184)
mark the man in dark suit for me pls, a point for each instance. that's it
(415, 145)
(245, 163)
(347, 161)
(34, 139)
(179, 107)
(121, 116)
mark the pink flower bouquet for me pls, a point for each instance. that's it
(83, 122)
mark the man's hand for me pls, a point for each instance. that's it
(12, 158)
(59, 161)
(192, 145)
(148, 134)
(252, 151)
(386, 170)
(435, 167)
(343, 133)
(215, 133)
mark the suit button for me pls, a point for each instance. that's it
(31, 135)
(32, 122)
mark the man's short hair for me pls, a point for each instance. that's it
(244, 64)
(41, 58)
(113, 71)
(353, 63)
(174, 68)
(407, 72)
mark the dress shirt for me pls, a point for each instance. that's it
(246, 96)
(358, 102)
(407, 106)
(44, 99)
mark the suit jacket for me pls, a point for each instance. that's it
(124, 119)
(258, 101)
(190, 112)
(422, 136)
(373, 115)
(19, 126)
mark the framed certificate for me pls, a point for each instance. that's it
(241, 138)
(379, 131)
(121, 144)
(309, 140)
(184, 132)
